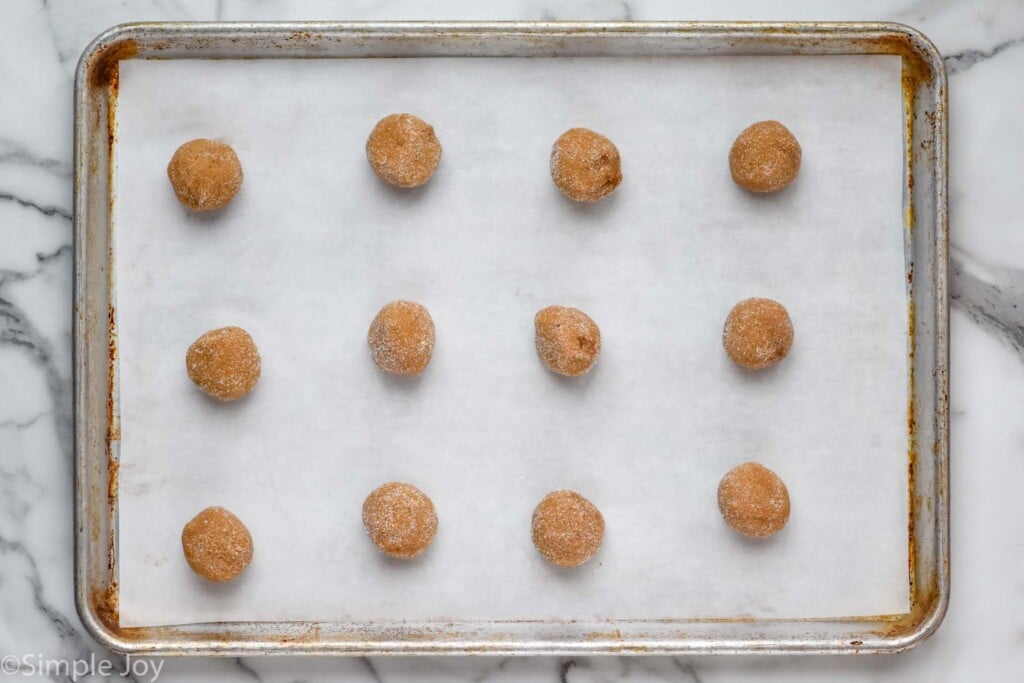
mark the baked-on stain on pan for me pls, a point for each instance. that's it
(95, 349)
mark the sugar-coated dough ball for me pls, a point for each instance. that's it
(401, 338)
(765, 157)
(403, 150)
(758, 333)
(216, 544)
(567, 528)
(400, 519)
(224, 363)
(585, 165)
(568, 341)
(753, 500)
(205, 174)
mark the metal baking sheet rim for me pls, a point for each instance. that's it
(97, 428)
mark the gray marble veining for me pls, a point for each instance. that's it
(993, 298)
(965, 59)
(983, 637)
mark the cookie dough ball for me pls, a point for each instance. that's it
(765, 157)
(753, 500)
(758, 333)
(205, 174)
(217, 545)
(567, 528)
(403, 150)
(400, 519)
(224, 363)
(401, 338)
(568, 341)
(585, 165)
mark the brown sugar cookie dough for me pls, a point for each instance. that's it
(224, 363)
(216, 544)
(403, 150)
(567, 528)
(205, 174)
(765, 157)
(568, 341)
(758, 333)
(585, 165)
(400, 519)
(401, 338)
(753, 500)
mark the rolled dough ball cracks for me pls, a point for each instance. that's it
(585, 165)
(568, 342)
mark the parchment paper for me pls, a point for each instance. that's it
(315, 244)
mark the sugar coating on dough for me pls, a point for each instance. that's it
(403, 150)
(758, 333)
(205, 174)
(400, 519)
(585, 165)
(216, 544)
(765, 157)
(753, 500)
(568, 341)
(224, 363)
(401, 338)
(567, 528)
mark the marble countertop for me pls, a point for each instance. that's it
(982, 638)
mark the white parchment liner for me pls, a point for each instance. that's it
(314, 244)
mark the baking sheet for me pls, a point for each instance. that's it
(314, 244)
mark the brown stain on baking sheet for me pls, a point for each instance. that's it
(105, 74)
(104, 71)
(912, 444)
(104, 77)
(925, 594)
(904, 45)
(915, 72)
(105, 604)
(113, 420)
(920, 611)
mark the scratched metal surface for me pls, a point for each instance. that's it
(95, 337)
